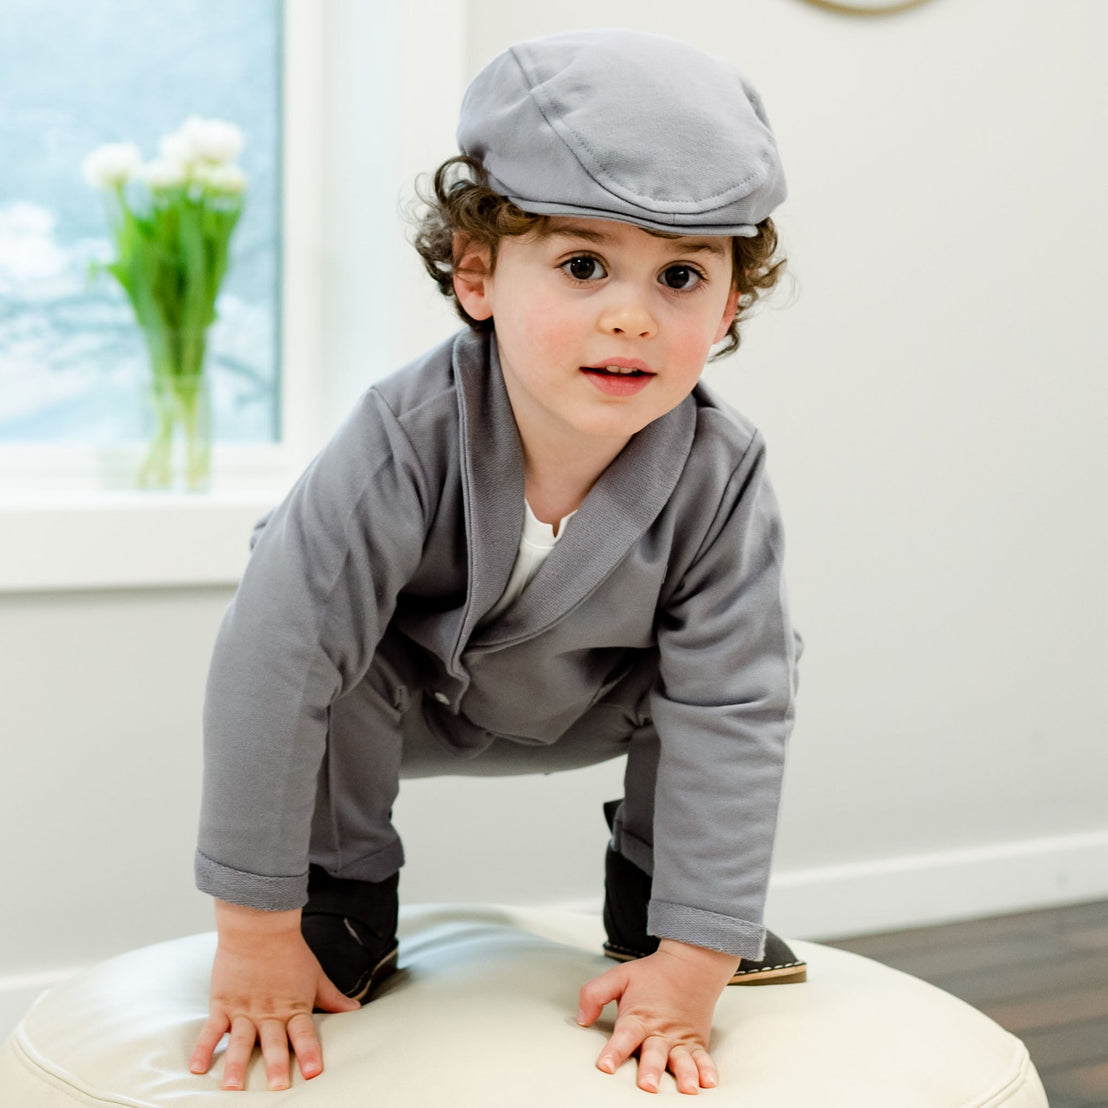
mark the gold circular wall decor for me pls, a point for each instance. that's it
(867, 7)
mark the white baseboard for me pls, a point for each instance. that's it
(917, 890)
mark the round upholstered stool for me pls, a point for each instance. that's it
(482, 1014)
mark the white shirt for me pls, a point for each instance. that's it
(535, 544)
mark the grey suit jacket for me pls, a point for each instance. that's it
(404, 531)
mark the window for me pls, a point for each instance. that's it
(369, 99)
(75, 76)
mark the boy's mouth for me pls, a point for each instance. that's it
(623, 367)
(618, 378)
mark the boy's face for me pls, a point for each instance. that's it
(573, 306)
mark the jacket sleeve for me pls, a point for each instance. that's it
(317, 593)
(723, 708)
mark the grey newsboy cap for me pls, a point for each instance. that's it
(624, 125)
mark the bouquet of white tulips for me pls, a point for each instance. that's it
(172, 221)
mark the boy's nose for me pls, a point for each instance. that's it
(626, 313)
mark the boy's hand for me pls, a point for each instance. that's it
(666, 1001)
(265, 982)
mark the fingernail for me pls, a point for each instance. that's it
(581, 1016)
(606, 1065)
(650, 1081)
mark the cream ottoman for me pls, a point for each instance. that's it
(482, 1014)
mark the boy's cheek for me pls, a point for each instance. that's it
(538, 339)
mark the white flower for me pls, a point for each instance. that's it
(176, 147)
(220, 178)
(111, 164)
(216, 140)
(203, 140)
(162, 173)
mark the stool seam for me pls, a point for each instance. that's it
(33, 1061)
(1014, 1085)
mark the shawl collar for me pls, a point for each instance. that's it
(492, 476)
(619, 508)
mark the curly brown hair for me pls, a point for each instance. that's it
(461, 203)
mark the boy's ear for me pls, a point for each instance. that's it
(730, 309)
(472, 273)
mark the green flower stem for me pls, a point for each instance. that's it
(180, 400)
(192, 409)
(156, 471)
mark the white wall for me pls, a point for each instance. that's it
(98, 796)
(933, 393)
(932, 396)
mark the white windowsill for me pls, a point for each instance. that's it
(113, 540)
(72, 519)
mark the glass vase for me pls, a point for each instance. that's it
(178, 455)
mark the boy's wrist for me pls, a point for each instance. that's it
(701, 960)
(231, 919)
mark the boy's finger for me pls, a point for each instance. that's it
(305, 1045)
(596, 993)
(652, 1063)
(239, 1048)
(626, 1037)
(709, 1075)
(684, 1070)
(275, 1052)
(330, 999)
(215, 1027)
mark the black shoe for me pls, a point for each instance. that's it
(626, 899)
(350, 926)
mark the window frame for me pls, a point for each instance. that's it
(64, 526)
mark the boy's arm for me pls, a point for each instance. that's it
(723, 709)
(319, 588)
(313, 604)
(666, 1001)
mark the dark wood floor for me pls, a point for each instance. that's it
(1042, 975)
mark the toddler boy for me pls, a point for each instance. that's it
(541, 545)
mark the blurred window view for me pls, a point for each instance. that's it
(76, 76)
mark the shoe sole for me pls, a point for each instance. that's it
(788, 973)
(384, 968)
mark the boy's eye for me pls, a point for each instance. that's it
(680, 277)
(584, 268)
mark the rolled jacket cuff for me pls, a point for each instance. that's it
(250, 890)
(708, 929)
